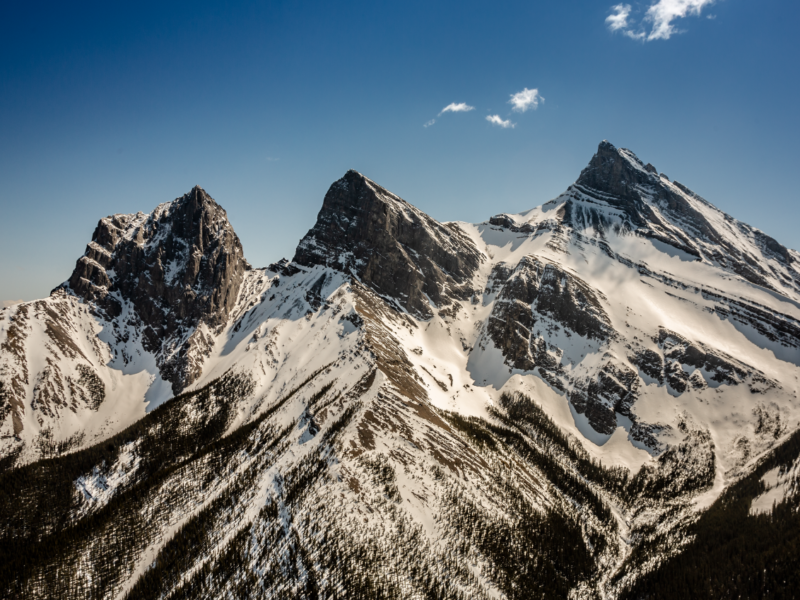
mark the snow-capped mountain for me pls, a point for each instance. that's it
(177, 271)
(548, 404)
(134, 322)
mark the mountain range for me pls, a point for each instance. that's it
(595, 398)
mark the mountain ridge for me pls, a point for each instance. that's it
(553, 397)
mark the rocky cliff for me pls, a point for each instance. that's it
(655, 207)
(178, 270)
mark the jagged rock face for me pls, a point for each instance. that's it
(629, 183)
(537, 290)
(49, 362)
(669, 212)
(676, 355)
(609, 173)
(612, 390)
(391, 246)
(539, 302)
(179, 267)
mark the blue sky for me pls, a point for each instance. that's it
(112, 107)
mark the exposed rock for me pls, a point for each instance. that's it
(14, 387)
(283, 267)
(507, 222)
(502, 221)
(537, 300)
(680, 351)
(397, 250)
(684, 365)
(326, 438)
(651, 363)
(179, 267)
(536, 289)
(498, 277)
(624, 183)
(773, 325)
(610, 391)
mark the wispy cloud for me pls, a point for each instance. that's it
(618, 19)
(640, 35)
(429, 123)
(7, 303)
(496, 120)
(457, 107)
(525, 100)
(658, 22)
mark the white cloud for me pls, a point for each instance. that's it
(7, 303)
(619, 18)
(429, 123)
(496, 120)
(664, 12)
(457, 107)
(525, 100)
(635, 35)
(659, 17)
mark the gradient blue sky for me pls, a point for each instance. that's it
(113, 107)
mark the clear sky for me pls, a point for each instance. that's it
(116, 107)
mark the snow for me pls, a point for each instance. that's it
(97, 487)
(637, 304)
(780, 484)
(280, 334)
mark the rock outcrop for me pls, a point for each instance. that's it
(397, 413)
(540, 295)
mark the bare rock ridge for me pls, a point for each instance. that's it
(535, 291)
(177, 268)
(391, 246)
(536, 300)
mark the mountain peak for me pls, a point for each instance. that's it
(617, 171)
(365, 230)
(178, 266)
(197, 199)
(391, 415)
(654, 207)
(605, 145)
(367, 190)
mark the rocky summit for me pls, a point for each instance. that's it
(596, 398)
(391, 246)
(173, 270)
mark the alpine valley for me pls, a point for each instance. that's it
(597, 398)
